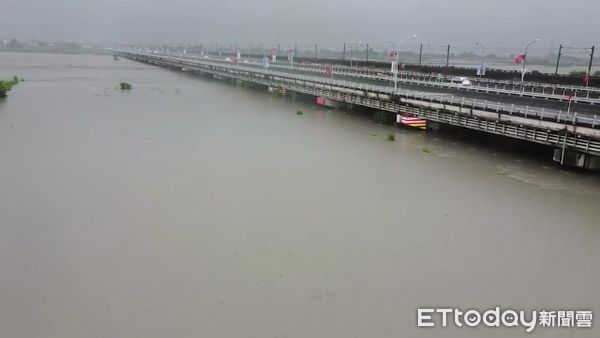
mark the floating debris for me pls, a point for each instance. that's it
(277, 91)
(125, 86)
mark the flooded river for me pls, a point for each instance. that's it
(188, 207)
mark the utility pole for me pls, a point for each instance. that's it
(420, 54)
(448, 57)
(316, 46)
(344, 53)
(367, 58)
(278, 51)
(590, 66)
(558, 58)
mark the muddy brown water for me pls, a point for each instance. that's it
(192, 208)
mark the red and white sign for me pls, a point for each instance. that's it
(520, 58)
(411, 121)
(328, 70)
(320, 100)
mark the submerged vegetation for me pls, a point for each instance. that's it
(391, 137)
(299, 112)
(6, 86)
(125, 86)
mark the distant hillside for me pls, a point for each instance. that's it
(14, 45)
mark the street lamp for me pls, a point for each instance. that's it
(395, 66)
(353, 44)
(291, 52)
(481, 69)
(271, 49)
(523, 69)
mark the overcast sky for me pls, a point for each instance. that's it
(459, 22)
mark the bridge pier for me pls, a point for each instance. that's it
(433, 125)
(573, 158)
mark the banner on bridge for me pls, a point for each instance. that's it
(411, 121)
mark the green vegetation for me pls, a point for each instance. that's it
(6, 86)
(578, 73)
(125, 86)
(391, 137)
(426, 151)
(299, 112)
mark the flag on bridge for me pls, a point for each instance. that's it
(520, 58)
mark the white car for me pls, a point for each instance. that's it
(461, 81)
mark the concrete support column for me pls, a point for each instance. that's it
(573, 158)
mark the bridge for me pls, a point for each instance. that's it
(563, 117)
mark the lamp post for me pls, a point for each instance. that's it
(270, 49)
(356, 43)
(481, 67)
(523, 64)
(397, 51)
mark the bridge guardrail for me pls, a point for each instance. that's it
(451, 100)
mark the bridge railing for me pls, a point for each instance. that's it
(388, 91)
